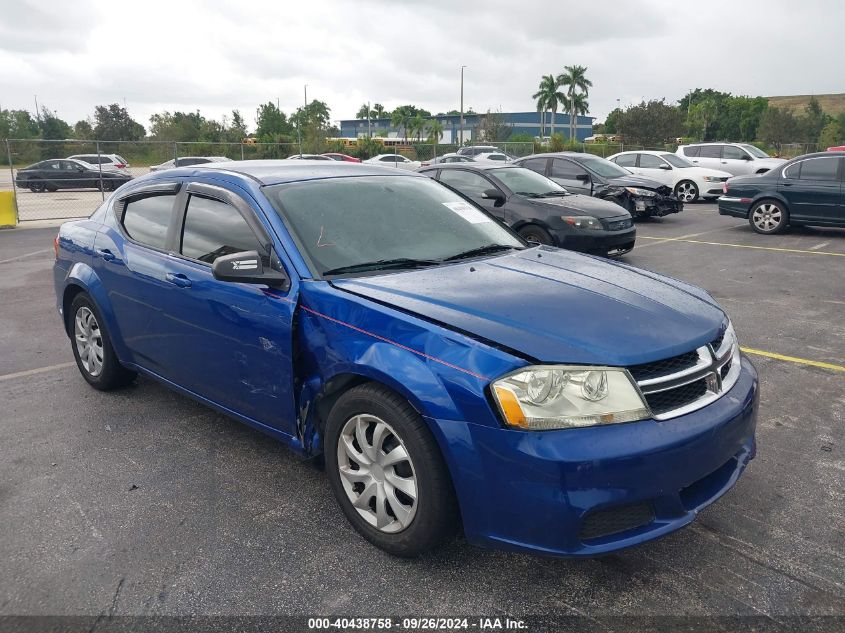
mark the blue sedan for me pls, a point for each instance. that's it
(449, 374)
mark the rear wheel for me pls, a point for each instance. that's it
(532, 233)
(768, 217)
(92, 347)
(36, 186)
(686, 191)
(387, 472)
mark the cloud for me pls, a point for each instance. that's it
(215, 56)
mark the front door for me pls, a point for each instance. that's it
(473, 185)
(813, 189)
(736, 160)
(232, 342)
(571, 176)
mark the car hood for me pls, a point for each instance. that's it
(555, 306)
(587, 205)
(637, 181)
(771, 163)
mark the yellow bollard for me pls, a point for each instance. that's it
(8, 210)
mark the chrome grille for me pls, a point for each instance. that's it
(684, 383)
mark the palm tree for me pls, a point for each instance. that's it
(401, 117)
(363, 112)
(576, 106)
(547, 96)
(378, 111)
(417, 125)
(435, 131)
(575, 79)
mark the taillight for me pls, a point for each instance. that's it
(56, 245)
(120, 165)
(725, 187)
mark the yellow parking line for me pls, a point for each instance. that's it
(761, 248)
(794, 359)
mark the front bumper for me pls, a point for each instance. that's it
(736, 207)
(655, 206)
(601, 242)
(558, 492)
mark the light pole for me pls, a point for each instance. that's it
(461, 132)
(621, 142)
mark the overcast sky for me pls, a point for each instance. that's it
(215, 56)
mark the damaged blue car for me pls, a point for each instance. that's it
(450, 375)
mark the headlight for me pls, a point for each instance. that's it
(637, 191)
(711, 179)
(546, 397)
(581, 221)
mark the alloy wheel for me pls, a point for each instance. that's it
(686, 191)
(767, 217)
(89, 341)
(377, 473)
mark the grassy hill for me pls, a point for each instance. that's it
(831, 104)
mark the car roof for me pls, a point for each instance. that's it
(717, 143)
(561, 154)
(278, 171)
(485, 166)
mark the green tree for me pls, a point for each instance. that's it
(378, 112)
(576, 106)
(813, 121)
(402, 117)
(363, 112)
(575, 80)
(17, 124)
(236, 130)
(179, 126)
(494, 128)
(777, 126)
(272, 126)
(83, 130)
(611, 123)
(830, 135)
(435, 131)
(52, 127)
(547, 95)
(651, 123)
(113, 123)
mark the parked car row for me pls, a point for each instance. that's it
(69, 173)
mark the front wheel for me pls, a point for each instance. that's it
(36, 186)
(387, 472)
(537, 234)
(686, 191)
(768, 217)
(92, 347)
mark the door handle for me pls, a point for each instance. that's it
(787, 184)
(107, 255)
(178, 279)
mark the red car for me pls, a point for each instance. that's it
(343, 157)
(837, 148)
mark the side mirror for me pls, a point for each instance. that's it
(583, 177)
(246, 268)
(665, 166)
(493, 194)
(80, 168)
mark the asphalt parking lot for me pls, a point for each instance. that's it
(142, 502)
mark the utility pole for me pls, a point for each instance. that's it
(37, 111)
(369, 130)
(621, 142)
(461, 132)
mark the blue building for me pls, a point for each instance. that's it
(520, 122)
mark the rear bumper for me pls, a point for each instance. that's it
(584, 492)
(736, 207)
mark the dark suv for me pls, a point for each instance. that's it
(600, 178)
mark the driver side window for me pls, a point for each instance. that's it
(466, 182)
(562, 168)
(647, 161)
(213, 228)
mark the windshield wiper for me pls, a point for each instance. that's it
(528, 194)
(481, 250)
(552, 194)
(383, 264)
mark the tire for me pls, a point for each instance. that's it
(534, 233)
(686, 191)
(92, 347)
(36, 186)
(413, 489)
(768, 217)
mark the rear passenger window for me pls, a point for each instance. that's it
(213, 228)
(692, 150)
(710, 151)
(146, 219)
(626, 160)
(820, 169)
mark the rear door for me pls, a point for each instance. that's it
(709, 156)
(813, 189)
(571, 176)
(229, 342)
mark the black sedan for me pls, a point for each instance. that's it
(595, 176)
(808, 190)
(67, 173)
(539, 209)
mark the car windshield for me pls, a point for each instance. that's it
(676, 161)
(524, 181)
(341, 223)
(756, 152)
(602, 167)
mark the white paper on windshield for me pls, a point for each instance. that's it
(467, 212)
